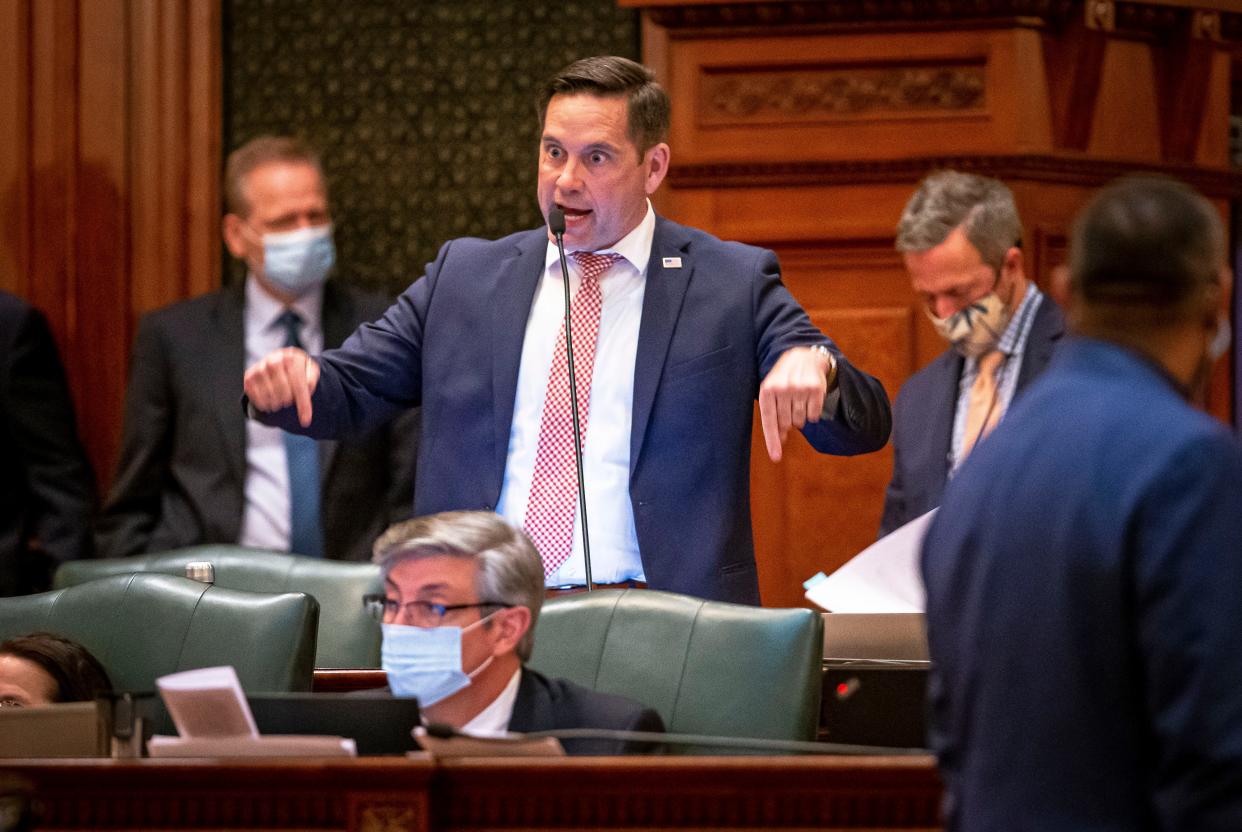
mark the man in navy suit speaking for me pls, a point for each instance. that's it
(675, 335)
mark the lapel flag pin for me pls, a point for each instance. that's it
(672, 262)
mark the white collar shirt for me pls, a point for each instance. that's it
(495, 718)
(606, 451)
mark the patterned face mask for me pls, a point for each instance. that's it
(976, 329)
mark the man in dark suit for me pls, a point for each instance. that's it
(193, 469)
(462, 593)
(680, 332)
(1083, 572)
(47, 489)
(960, 238)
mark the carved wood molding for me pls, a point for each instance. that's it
(1133, 18)
(749, 95)
(1066, 170)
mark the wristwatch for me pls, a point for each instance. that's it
(830, 374)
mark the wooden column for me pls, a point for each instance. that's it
(109, 163)
(804, 127)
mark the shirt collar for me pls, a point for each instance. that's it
(496, 716)
(635, 247)
(266, 309)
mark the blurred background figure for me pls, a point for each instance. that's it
(193, 469)
(44, 668)
(961, 241)
(47, 488)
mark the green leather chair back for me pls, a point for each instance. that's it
(348, 636)
(707, 667)
(141, 627)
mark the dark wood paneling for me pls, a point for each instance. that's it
(109, 161)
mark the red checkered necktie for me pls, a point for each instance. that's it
(554, 485)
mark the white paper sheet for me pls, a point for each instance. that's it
(207, 702)
(884, 577)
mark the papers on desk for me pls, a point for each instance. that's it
(213, 719)
(500, 744)
(884, 577)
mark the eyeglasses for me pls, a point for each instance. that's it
(10, 702)
(420, 613)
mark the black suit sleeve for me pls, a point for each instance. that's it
(41, 422)
(132, 509)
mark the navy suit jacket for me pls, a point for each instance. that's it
(545, 704)
(711, 329)
(923, 421)
(181, 480)
(1083, 598)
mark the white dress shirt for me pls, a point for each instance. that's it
(606, 442)
(265, 514)
(494, 719)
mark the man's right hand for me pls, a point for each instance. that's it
(284, 377)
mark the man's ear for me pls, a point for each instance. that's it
(508, 628)
(656, 162)
(231, 228)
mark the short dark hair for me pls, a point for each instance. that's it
(1147, 242)
(78, 674)
(604, 76)
(257, 152)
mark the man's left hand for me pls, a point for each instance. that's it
(791, 395)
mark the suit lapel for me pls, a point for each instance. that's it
(1046, 331)
(942, 407)
(662, 298)
(532, 711)
(226, 352)
(515, 281)
(338, 319)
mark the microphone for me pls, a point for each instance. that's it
(556, 224)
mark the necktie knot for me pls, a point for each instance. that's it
(593, 265)
(292, 323)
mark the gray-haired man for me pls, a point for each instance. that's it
(462, 593)
(960, 239)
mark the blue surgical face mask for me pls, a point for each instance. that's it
(425, 662)
(298, 261)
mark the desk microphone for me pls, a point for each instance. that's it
(556, 224)
(442, 731)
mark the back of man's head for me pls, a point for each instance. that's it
(509, 569)
(263, 150)
(648, 108)
(1147, 250)
(946, 199)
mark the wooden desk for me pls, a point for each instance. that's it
(392, 794)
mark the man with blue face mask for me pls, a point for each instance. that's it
(960, 240)
(193, 470)
(462, 593)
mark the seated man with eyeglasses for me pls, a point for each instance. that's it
(462, 593)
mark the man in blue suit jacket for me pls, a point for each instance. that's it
(692, 331)
(960, 238)
(1083, 572)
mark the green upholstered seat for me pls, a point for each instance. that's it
(707, 667)
(144, 626)
(348, 636)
